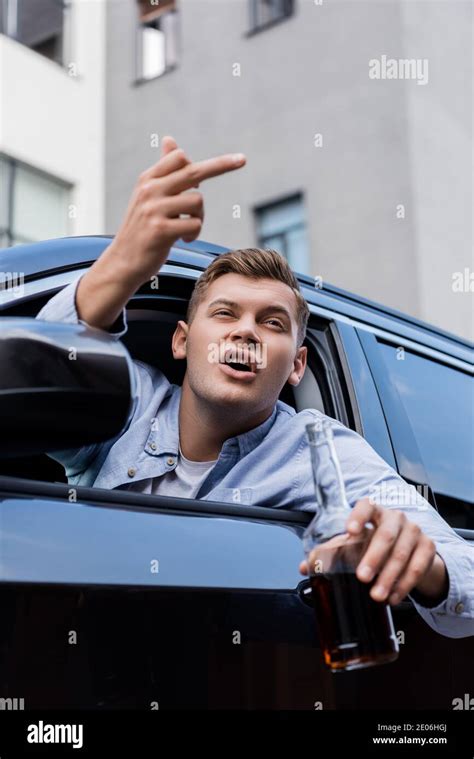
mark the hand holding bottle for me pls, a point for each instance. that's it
(354, 630)
(399, 554)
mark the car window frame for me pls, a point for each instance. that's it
(47, 287)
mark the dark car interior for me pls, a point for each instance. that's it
(151, 323)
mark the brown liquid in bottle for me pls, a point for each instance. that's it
(355, 631)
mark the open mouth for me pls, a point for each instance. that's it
(238, 367)
(238, 370)
(240, 363)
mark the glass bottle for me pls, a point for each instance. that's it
(355, 631)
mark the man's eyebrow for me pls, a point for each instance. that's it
(266, 309)
(274, 309)
(224, 301)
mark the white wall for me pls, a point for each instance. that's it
(56, 122)
(440, 122)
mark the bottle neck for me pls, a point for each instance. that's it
(327, 474)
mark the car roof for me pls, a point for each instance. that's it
(38, 259)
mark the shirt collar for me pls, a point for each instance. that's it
(247, 441)
(164, 435)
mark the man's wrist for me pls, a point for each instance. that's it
(114, 265)
(104, 290)
(434, 587)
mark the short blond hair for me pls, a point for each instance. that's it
(256, 263)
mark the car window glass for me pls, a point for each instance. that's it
(439, 401)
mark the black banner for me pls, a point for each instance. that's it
(151, 733)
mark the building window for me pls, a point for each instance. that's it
(157, 44)
(264, 13)
(38, 24)
(33, 206)
(282, 226)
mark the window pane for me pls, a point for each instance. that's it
(4, 191)
(265, 11)
(282, 226)
(276, 242)
(297, 250)
(153, 52)
(439, 401)
(169, 25)
(3, 17)
(278, 217)
(39, 206)
(157, 37)
(40, 26)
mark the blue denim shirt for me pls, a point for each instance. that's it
(266, 466)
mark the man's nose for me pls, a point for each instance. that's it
(245, 330)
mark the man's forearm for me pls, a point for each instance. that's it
(105, 290)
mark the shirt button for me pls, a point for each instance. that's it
(132, 472)
(153, 446)
(170, 461)
(459, 608)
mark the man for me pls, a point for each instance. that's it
(225, 435)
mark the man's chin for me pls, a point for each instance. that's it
(223, 395)
(231, 397)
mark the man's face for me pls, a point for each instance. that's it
(242, 319)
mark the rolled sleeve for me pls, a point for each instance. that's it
(62, 308)
(454, 615)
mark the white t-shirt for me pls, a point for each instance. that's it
(183, 482)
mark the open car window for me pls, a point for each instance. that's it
(152, 319)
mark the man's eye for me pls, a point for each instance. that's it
(275, 321)
(225, 312)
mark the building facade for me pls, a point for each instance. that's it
(355, 116)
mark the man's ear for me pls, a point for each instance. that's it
(178, 342)
(299, 366)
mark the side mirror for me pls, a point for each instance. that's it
(61, 386)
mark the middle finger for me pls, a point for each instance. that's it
(196, 172)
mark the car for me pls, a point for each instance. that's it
(111, 599)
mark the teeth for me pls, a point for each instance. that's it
(232, 359)
(236, 355)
